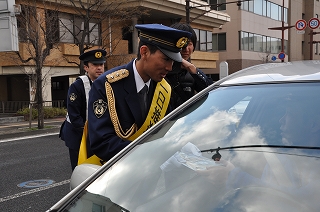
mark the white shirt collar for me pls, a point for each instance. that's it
(139, 81)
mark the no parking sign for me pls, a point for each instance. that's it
(301, 25)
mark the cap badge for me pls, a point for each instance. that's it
(98, 54)
(182, 42)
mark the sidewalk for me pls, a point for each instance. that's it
(14, 127)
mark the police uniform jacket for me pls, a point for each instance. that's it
(72, 131)
(184, 84)
(103, 139)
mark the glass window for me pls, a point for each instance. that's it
(268, 40)
(264, 7)
(215, 6)
(251, 9)
(274, 45)
(219, 42)
(268, 9)
(197, 31)
(274, 11)
(94, 35)
(250, 40)
(209, 41)
(66, 28)
(264, 43)
(203, 40)
(286, 15)
(258, 43)
(258, 7)
(245, 5)
(244, 41)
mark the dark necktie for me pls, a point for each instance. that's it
(143, 100)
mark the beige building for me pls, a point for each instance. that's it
(119, 38)
(229, 34)
(254, 34)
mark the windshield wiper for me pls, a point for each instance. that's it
(217, 155)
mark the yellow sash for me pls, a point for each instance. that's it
(157, 111)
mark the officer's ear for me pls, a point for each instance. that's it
(144, 50)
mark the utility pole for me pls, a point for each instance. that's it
(282, 28)
(312, 42)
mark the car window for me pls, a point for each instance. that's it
(163, 172)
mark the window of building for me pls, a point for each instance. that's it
(66, 28)
(127, 35)
(57, 85)
(258, 6)
(26, 22)
(260, 43)
(219, 42)
(266, 8)
(71, 29)
(215, 4)
(204, 40)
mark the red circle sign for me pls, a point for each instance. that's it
(301, 25)
(313, 23)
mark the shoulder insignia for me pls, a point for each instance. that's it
(117, 75)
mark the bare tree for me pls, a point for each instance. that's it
(44, 24)
(35, 29)
(97, 23)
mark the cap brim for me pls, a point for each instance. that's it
(97, 62)
(172, 55)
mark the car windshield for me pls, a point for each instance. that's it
(172, 168)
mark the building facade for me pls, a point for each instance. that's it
(18, 73)
(262, 31)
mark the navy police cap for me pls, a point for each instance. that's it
(96, 56)
(168, 40)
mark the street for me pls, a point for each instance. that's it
(35, 172)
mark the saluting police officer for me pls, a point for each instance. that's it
(78, 94)
(127, 100)
(185, 78)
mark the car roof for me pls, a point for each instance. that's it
(306, 70)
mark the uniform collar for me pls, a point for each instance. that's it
(139, 81)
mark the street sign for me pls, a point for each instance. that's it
(301, 24)
(281, 55)
(313, 23)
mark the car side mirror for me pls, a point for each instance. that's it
(81, 173)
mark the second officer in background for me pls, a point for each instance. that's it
(77, 102)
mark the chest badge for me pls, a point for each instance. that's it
(99, 107)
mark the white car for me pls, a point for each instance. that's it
(250, 142)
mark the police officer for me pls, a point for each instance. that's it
(116, 112)
(185, 78)
(78, 94)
